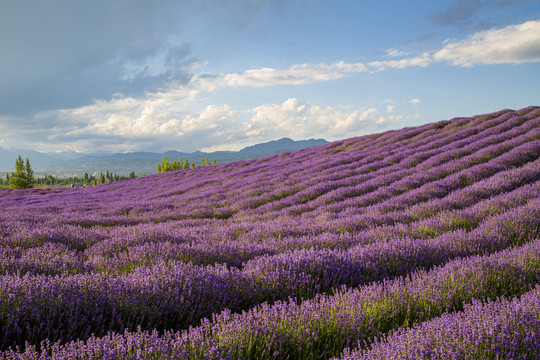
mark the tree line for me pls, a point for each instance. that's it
(86, 179)
(23, 177)
(166, 165)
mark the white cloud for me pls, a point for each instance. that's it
(421, 61)
(394, 52)
(161, 126)
(513, 44)
(415, 101)
(295, 75)
(390, 105)
(305, 119)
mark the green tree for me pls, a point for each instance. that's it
(23, 176)
(165, 165)
(214, 162)
(29, 174)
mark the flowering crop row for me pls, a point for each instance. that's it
(324, 326)
(503, 329)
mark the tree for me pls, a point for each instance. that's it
(29, 174)
(177, 165)
(23, 176)
(165, 165)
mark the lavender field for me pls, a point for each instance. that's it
(417, 243)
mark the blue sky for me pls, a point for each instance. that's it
(221, 75)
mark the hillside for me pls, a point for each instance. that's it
(300, 255)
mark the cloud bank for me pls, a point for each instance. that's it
(165, 118)
(169, 127)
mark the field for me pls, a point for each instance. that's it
(417, 243)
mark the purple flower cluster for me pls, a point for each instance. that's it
(503, 329)
(297, 255)
(323, 326)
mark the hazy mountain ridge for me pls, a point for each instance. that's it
(72, 163)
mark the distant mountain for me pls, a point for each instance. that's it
(280, 146)
(71, 163)
(37, 159)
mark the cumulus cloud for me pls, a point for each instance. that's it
(414, 101)
(305, 119)
(160, 126)
(512, 44)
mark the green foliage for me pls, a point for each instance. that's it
(166, 165)
(86, 179)
(23, 176)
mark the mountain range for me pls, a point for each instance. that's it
(69, 163)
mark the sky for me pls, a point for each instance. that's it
(137, 75)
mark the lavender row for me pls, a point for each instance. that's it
(322, 327)
(152, 208)
(503, 329)
(164, 296)
(20, 235)
(305, 273)
(438, 182)
(144, 245)
(174, 295)
(398, 180)
(469, 148)
(406, 190)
